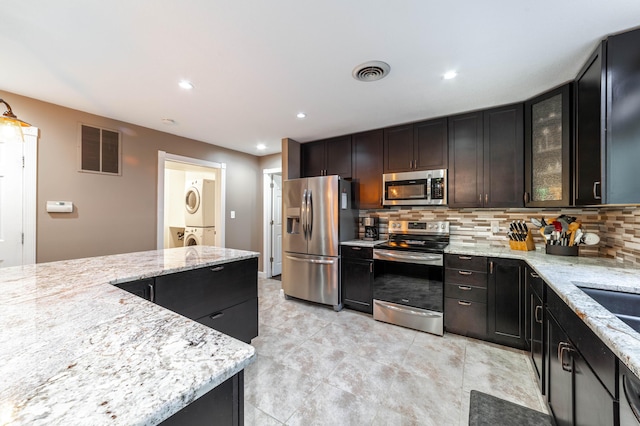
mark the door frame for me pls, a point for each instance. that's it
(163, 157)
(266, 215)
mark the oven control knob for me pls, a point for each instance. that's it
(430, 226)
(442, 226)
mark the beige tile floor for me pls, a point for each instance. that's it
(320, 367)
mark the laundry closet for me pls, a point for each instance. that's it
(191, 205)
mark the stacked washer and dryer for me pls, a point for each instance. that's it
(200, 213)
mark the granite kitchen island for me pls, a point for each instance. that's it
(76, 349)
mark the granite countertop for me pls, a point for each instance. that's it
(74, 348)
(362, 243)
(564, 274)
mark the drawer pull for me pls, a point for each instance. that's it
(463, 303)
(534, 275)
(216, 315)
(405, 300)
(152, 293)
(464, 287)
(465, 257)
(356, 248)
(217, 269)
(465, 272)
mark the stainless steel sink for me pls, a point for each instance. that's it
(625, 306)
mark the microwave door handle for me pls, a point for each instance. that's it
(428, 188)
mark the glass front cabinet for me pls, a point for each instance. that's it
(548, 149)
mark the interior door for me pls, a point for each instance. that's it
(11, 212)
(276, 224)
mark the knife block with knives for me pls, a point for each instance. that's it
(520, 237)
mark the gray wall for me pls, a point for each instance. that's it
(117, 214)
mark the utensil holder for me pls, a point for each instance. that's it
(562, 250)
(526, 245)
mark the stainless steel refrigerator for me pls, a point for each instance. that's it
(319, 215)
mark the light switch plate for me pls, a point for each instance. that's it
(495, 226)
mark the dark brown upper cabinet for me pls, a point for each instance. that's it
(417, 146)
(367, 168)
(486, 158)
(622, 185)
(327, 157)
(590, 125)
(547, 149)
(607, 122)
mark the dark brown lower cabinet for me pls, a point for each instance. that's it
(357, 284)
(505, 302)
(535, 323)
(223, 405)
(581, 371)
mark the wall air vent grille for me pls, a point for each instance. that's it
(371, 71)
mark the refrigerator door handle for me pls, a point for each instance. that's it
(322, 262)
(303, 214)
(310, 213)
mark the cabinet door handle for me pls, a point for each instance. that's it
(526, 197)
(463, 303)
(564, 348)
(534, 275)
(480, 198)
(216, 315)
(486, 198)
(371, 267)
(535, 314)
(464, 257)
(217, 269)
(465, 272)
(405, 300)
(464, 287)
(595, 196)
(415, 164)
(410, 164)
(491, 267)
(356, 248)
(152, 292)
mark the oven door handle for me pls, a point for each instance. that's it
(435, 259)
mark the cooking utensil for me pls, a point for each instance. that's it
(549, 229)
(578, 236)
(535, 222)
(591, 239)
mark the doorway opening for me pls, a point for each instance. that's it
(176, 176)
(272, 226)
(18, 186)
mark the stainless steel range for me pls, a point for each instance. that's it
(408, 278)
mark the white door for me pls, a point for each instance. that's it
(11, 203)
(276, 227)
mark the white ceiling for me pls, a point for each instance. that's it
(256, 63)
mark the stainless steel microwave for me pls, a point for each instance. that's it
(422, 188)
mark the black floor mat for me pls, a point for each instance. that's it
(277, 277)
(491, 411)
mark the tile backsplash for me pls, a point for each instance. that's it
(617, 227)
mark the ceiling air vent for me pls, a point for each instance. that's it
(371, 71)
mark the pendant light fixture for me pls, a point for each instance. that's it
(10, 125)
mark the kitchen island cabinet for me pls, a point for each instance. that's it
(107, 356)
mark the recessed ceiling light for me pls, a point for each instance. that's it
(450, 74)
(261, 146)
(301, 115)
(186, 84)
